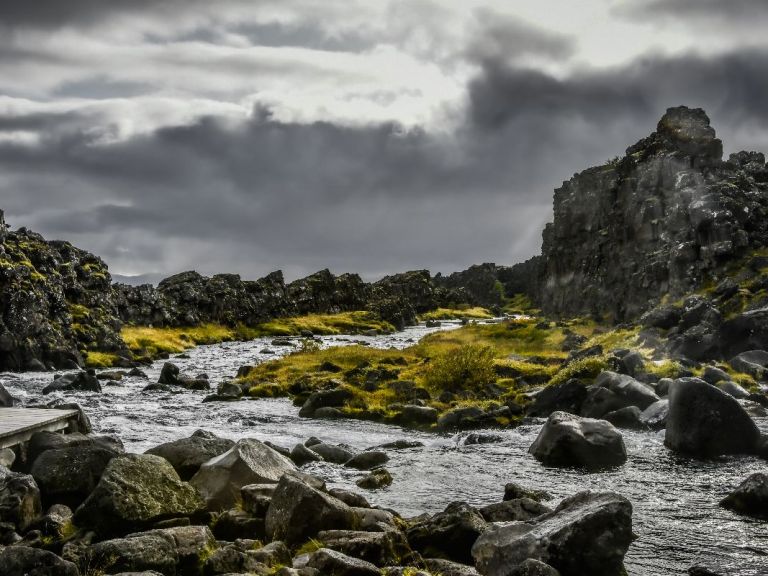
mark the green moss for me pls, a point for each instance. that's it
(588, 367)
(308, 547)
(475, 313)
(324, 324)
(100, 359)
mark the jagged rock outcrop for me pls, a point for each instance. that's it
(55, 303)
(660, 221)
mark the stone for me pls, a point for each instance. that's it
(6, 400)
(629, 418)
(186, 455)
(135, 492)
(655, 416)
(248, 462)
(77, 381)
(324, 399)
(367, 460)
(568, 440)
(513, 491)
(459, 418)
(448, 568)
(301, 455)
(531, 567)
(613, 391)
(750, 498)
(713, 375)
(704, 421)
(350, 498)
(733, 389)
(24, 561)
(752, 362)
(298, 512)
(169, 374)
(566, 397)
(386, 548)
(19, 499)
(69, 475)
(449, 534)
(138, 552)
(376, 479)
(744, 332)
(43, 441)
(333, 453)
(334, 563)
(519, 509)
(416, 416)
(588, 533)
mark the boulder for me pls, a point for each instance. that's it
(76, 381)
(169, 374)
(377, 478)
(705, 421)
(334, 563)
(531, 567)
(744, 332)
(298, 512)
(733, 389)
(750, 497)
(568, 440)
(248, 462)
(386, 548)
(43, 441)
(138, 552)
(415, 416)
(135, 492)
(519, 509)
(588, 533)
(350, 498)
(713, 375)
(752, 362)
(613, 391)
(449, 534)
(19, 499)
(6, 400)
(629, 417)
(448, 568)
(460, 418)
(655, 416)
(69, 475)
(333, 453)
(367, 460)
(302, 455)
(24, 561)
(566, 396)
(324, 399)
(513, 491)
(186, 455)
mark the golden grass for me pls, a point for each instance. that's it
(475, 313)
(144, 340)
(100, 359)
(324, 324)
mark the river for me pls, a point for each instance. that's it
(676, 516)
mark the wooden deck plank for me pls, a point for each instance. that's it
(19, 424)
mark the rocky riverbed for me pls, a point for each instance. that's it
(676, 514)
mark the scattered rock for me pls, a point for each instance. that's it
(750, 497)
(24, 561)
(367, 460)
(705, 421)
(519, 509)
(186, 455)
(568, 440)
(302, 455)
(588, 533)
(629, 418)
(334, 563)
(752, 362)
(386, 548)
(19, 499)
(248, 462)
(378, 478)
(77, 381)
(566, 397)
(135, 492)
(449, 534)
(655, 416)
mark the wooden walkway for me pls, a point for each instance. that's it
(17, 425)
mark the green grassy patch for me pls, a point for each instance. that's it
(472, 313)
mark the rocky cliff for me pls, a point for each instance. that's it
(660, 222)
(55, 303)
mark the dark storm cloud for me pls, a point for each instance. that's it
(56, 13)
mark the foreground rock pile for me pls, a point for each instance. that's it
(80, 505)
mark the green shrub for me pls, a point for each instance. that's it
(464, 368)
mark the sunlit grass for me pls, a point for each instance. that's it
(475, 313)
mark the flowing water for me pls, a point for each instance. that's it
(676, 516)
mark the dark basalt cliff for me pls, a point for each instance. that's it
(663, 220)
(55, 301)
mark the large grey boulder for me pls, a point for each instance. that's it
(566, 396)
(568, 440)
(180, 549)
(76, 381)
(6, 400)
(588, 533)
(19, 499)
(448, 534)
(752, 362)
(186, 455)
(612, 391)
(387, 548)
(655, 416)
(514, 510)
(334, 563)
(298, 512)
(750, 497)
(69, 475)
(248, 462)
(42, 441)
(705, 421)
(25, 561)
(135, 492)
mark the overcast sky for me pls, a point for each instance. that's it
(369, 136)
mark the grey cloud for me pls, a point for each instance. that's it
(717, 11)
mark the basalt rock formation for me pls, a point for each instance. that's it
(55, 303)
(661, 221)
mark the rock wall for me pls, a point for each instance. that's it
(661, 221)
(55, 301)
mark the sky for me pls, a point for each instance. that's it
(368, 136)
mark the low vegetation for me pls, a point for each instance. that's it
(470, 313)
